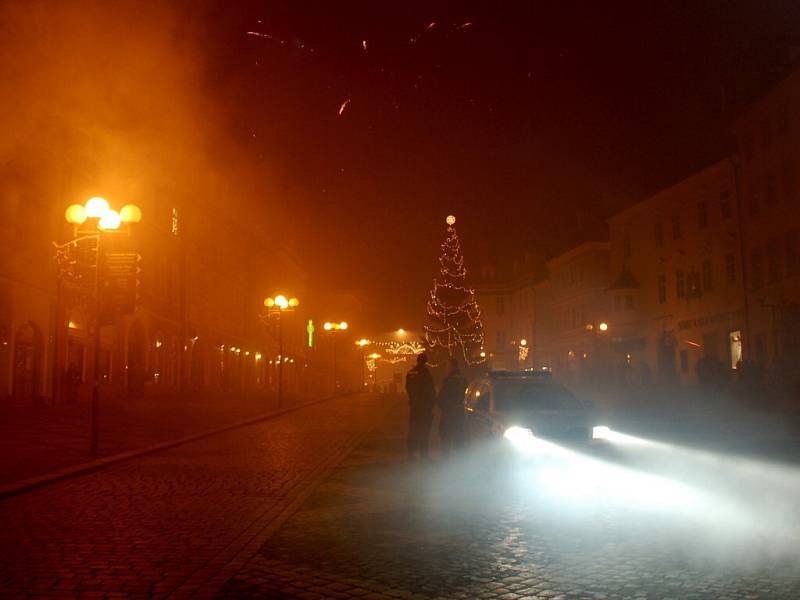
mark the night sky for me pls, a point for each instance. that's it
(522, 119)
(516, 117)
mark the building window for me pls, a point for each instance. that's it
(735, 345)
(708, 279)
(662, 289)
(725, 204)
(730, 268)
(754, 199)
(684, 361)
(680, 284)
(694, 284)
(658, 232)
(790, 243)
(789, 181)
(626, 245)
(773, 261)
(500, 339)
(629, 305)
(769, 189)
(755, 268)
(676, 227)
(702, 215)
(501, 305)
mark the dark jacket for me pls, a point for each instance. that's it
(420, 389)
(451, 396)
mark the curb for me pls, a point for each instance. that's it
(206, 583)
(27, 485)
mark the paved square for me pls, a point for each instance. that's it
(382, 528)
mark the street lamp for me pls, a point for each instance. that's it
(522, 351)
(277, 306)
(362, 343)
(373, 366)
(335, 327)
(92, 220)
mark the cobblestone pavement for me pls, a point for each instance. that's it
(52, 437)
(381, 528)
(174, 521)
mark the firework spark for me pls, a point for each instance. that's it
(343, 106)
(261, 35)
(428, 27)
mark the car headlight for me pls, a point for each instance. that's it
(521, 438)
(601, 432)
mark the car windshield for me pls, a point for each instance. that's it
(532, 395)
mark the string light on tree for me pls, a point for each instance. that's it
(455, 324)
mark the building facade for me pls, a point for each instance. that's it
(768, 160)
(677, 293)
(199, 323)
(572, 310)
(508, 313)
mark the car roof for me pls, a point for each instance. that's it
(521, 375)
(533, 377)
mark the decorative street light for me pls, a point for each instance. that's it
(91, 221)
(362, 343)
(277, 306)
(373, 367)
(523, 351)
(334, 327)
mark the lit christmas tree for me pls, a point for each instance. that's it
(454, 317)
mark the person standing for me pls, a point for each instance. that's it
(421, 397)
(451, 408)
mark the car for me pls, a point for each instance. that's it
(527, 404)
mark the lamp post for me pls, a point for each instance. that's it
(362, 343)
(522, 352)
(277, 306)
(334, 327)
(599, 344)
(374, 368)
(91, 221)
